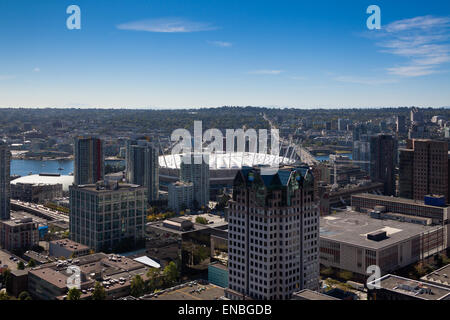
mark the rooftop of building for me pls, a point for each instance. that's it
(38, 257)
(173, 225)
(69, 245)
(45, 179)
(218, 265)
(307, 294)
(227, 161)
(20, 218)
(353, 228)
(94, 267)
(413, 288)
(395, 199)
(101, 187)
(182, 184)
(439, 277)
(188, 291)
(214, 221)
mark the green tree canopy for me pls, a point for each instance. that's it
(31, 263)
(4, 296)
(137, 286)
(99, 292)
(154, 281)
(74, 294)
(171, 273)
(20, 265)
(201, 220)
(24, 295)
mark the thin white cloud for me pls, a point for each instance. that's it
(268, 72)
(167, 25)
(6, 77)
(221, 44)
(364, 80)
(36, 70)
(298, 78)
(422, 41)
(412, 71)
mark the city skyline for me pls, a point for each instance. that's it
(209, 54)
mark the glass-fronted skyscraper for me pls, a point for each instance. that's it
(89, 160)
(108, 216)
(5, 189)
(195, 168)
(143, 166)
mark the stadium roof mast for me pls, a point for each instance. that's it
(335, 184)
(293, 149)
(287, 148)
(161, 150)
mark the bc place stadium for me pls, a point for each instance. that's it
(222, 167)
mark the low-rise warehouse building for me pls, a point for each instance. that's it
(392, 287)
(114, 272)
(67, 248)
(354, 241)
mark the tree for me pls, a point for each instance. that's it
(345, 275)
(137, 286)
(31, 263)
(171, 273)
(154, 281)
(327, 271)
(4, 295)
(201, 220)
(74, 294)
(99, 292)
(20, 265)
(6, 279)
(24, 295)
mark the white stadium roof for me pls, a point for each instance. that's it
(147, 261)
(66, 181)
(224, 161)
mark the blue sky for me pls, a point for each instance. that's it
(198, 53)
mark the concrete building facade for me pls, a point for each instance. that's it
(273, 234)
(102, 215)
(195, 168)
(181, 196)
(424, 169)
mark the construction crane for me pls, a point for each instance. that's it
(334, 161)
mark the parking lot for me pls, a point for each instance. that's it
(5, 260)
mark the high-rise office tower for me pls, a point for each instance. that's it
(400, 124)
(89, 160)
(143, 166)
(342, 124)
(383, 158)
(424, 169)
(195, 168)
(416, 115)
(181, 196)
(361, 152)
(273, 234)
(5, 188)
